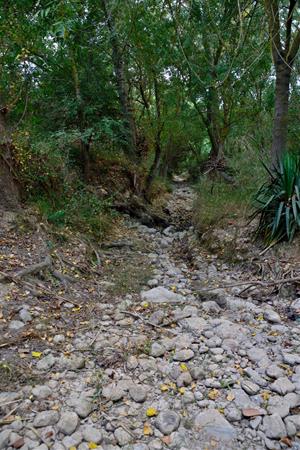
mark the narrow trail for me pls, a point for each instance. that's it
(164, 365)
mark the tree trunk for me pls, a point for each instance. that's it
(10, 197)
(280, 124)
(122, 87)
(157, 147)
(84, 146)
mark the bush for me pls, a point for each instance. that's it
(78, 209)
(277, 202)
(219, 202)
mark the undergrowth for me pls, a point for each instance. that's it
(78, 209)
(219, 202)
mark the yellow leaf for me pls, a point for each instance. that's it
(36, 354)
(72, 448)
(92, 445)
(230, 397)
(145, 305)
(260, 317)
(265, 396)
(213, 394)
(77, 308)
(221, 410)
(164, 387)
(172, 385)
(183, 367)
(181, 390)
(147, 430)
(151, 412)
(173, 288)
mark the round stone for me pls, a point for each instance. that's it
(167, 422)
(68, 422)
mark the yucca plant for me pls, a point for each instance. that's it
(277, 202)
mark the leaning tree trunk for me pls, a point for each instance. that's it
(9, 198)
(280, 124)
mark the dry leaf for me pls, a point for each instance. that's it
(92, 445)
(36, 354)
(147, 430)
(164, 387)
(265, 396)
(166, 440)
(287, 441)
(213, 394)
(230, 396)
(251, 412)
(181, 390)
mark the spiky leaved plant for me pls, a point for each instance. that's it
(277, 202)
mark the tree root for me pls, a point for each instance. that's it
(34, 268)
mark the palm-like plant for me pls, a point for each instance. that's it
(277, 202)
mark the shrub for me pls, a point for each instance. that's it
(78, 209)
(277, 202)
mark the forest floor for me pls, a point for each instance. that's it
(151, 341)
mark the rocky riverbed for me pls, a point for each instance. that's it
(172, 366)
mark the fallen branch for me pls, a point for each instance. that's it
(148, 322)
(34, 268)
(42, 291)
(253, 283)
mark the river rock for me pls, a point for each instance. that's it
(167, 421)
(161, 295)
(214, 424)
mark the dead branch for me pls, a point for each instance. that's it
(254, 283)
(148, 322)
(34, 268)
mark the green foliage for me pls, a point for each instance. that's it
(277, 202)
(80, 210)
(219, 202)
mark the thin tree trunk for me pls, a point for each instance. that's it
(280, 124)
(122, 86)
(157, 146)
(84, 145)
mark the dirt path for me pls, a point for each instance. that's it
(134, 353)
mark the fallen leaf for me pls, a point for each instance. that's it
(164, 387)
(287, 441)
(36, 354)
(77, 308)
(265, 396)
(147, 430)
(92, 445)
(252, 412)
(230, 396)
(151, 412)
(18, 443)
(181, 390)
(183, 367)
(145, 305)
(213, 394)
(221, 410)
(166, 440)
